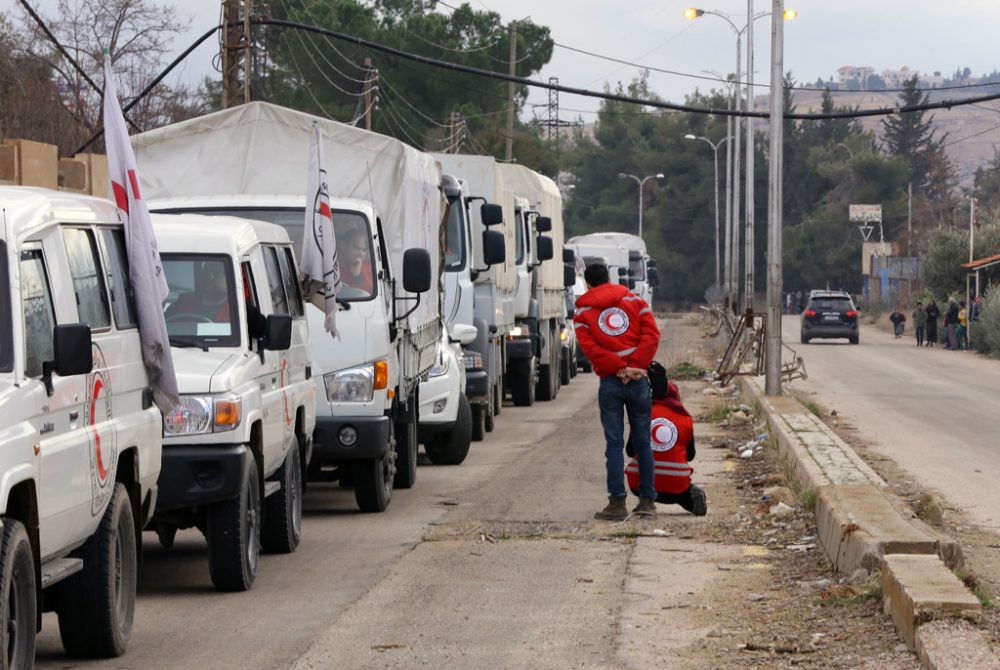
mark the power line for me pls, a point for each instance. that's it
(457, 67)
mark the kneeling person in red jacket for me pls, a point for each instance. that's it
(619, 336)
(671, 437)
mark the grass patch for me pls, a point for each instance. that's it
(809, 404)
(808, 498)
(625, 533)
(685, 370)
(718, 413)
(972, 583)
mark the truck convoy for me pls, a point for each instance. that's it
(625, 255)
(533, 345)
(387, 213)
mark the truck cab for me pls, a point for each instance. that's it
(77, 407)
(236, 446)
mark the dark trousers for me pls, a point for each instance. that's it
(920, 336)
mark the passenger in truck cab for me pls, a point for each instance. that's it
(356, 267)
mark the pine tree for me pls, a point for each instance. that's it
(911, 137)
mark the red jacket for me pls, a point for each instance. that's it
(671, 436)
(615, 329)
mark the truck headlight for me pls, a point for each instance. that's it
(351, 385)
(473, 360)
(564, 335)
(198, 415)
(440, 366)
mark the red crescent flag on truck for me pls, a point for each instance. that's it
(319, 267)
(149, 284)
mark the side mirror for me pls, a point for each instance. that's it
(570, 313)
(71, 345)
(278, 332)
(569, 256)
(631, 284)
(653, 275)
(494, 247)
(569, 275)
(651, 263)
(622, 272)
(464, 334)
(544, 248)
(631, 273)
(491, 214)
(416, 271)
(543, 224)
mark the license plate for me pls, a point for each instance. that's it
(831, 317)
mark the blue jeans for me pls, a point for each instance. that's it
(615, 398)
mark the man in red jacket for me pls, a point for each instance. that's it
(619, 336)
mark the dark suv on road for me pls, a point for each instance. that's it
(829, 314)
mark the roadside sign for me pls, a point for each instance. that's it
(866, 213)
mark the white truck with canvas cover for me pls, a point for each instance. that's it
(533, 347)
(234, 448)
(387, 215)
(623, 252)
(480, 274)
(80, 441)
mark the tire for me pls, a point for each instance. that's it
(489, 421)
(96, 606)
(545, 390)
(574, 368)
(18, 604)
(477, 420)
(406, 455)
(373, 482)
(233, 535)
(498, 397)
(564, 374)
(282, 530)
(521, 384)
(855, 339)
(586, 366)
(452, 447)
(804, 338)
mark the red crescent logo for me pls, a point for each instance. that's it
(98, 386)
(657, 435)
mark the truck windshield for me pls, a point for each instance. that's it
(354, 242)
(201, 307)
(6, 327)
(519, 238)
(454, 250)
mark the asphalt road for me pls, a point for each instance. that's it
(933, 411)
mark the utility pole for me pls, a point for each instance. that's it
(368, 93)
(237, 52)
(512, 70)
(772, 379)
(748, 288)
(909, 219)
(728, 253)
(737, 104)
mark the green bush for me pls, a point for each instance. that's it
(986, 331)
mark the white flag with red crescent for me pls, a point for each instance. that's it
(149, 284)
(319, 267)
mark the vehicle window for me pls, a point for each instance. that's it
(91, 298)
(351, 230)
(638, 268)
(454, 253)
(6, 329)
(39, 317)
(290, 277)
(279, 304)
(201, 307)
(518, 238)
(122, 299)
(829, 304)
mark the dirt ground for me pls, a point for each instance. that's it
(776, 602)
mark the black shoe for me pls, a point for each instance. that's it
(699, 502)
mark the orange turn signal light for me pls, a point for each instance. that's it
(381, 375)
(227, 413)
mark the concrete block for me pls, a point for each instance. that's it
(857, 525)
(917, 589)
(950, 644)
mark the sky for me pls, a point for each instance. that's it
(884, 34)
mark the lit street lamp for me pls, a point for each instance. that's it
(715, 150)
(641, 183)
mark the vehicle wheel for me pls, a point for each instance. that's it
(96, 606)
(406, 455)
(477, 421)
(373, 482)
(452, 447)
(498, 397)
(234, 535)
(564, 375)
(804, 338)
(855, 339)
(586, 365)
(283, 510)
(522, 385)
(17, 575)
(573, 367)
(546, 388)
(490, 418)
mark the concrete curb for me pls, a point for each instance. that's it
(861, 525)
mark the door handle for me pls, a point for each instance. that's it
(74, 415)
(274, 380)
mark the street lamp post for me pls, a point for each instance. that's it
(727, 270)
(715, 151)
(641, 183)
(772, 377)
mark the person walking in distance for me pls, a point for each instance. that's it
(898, 319)
(619, 336)
(951, 325)
(919, 322)
(933, 314)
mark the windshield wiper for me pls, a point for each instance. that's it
(186, 342)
